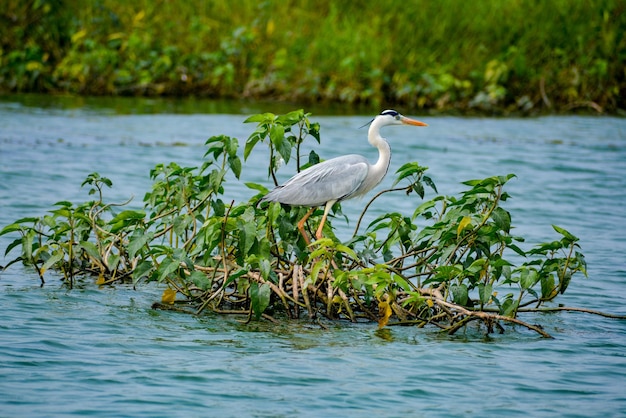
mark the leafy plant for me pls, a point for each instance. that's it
(452, 261)
(286, 134)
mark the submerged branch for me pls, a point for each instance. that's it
(574, 309)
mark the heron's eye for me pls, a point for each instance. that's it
(397, 117)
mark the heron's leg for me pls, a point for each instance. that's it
(301, 226)
(329, 205)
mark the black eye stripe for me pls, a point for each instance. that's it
(390, 113)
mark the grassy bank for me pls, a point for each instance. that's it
(489, 56)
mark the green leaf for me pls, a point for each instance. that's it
(54, 258)
(15, 260)
(399, 280)
(11, 228)
(582, 263)
(489, 183)
(291, 118)
(504, 179)
(250, 144)
(547, 286)
(27, 244)
(235, 165)
(502, 219)
(15, 243)
(247, 235)
(200, 279)
(459, 294)
(113, 261)
(313, 158)
(314, 131)
(138, 241)
(528, 278)
(477, 265)
(257, 187)
(265, 267)
(378, 222)
(167, 267)
(66, 213)
(418, 188)
(315, 270)
(217, 145)
(231, 145)
(445, 273)
(27, 220)
(484, 292)
(142, 270)
(546, 247)
(407, 170)
(509, 307)
(181, 223)
(273, 212)
(497, 262)
(347, 250)
(429, 182)
(566, 234)
(565, 280)
(471, 183)
(234, 276)
(261, 117)
(218, 206)
(259, 298)
(277, 135)
(128, 214)
(517, 249)
(424, 207)
(91, 249)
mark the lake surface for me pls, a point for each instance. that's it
(102, 351)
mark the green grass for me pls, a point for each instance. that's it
(492, 56)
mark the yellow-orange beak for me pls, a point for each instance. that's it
(409, 121)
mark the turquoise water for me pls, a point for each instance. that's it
(96, 351)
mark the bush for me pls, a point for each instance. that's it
(514, 56)
(464, 265)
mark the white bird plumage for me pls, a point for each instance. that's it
(339, 178)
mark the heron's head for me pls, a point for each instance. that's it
(391, 117)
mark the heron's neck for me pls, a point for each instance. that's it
(384, 154)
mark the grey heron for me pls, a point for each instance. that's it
(339, 178)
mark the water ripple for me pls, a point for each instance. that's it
(103, 351)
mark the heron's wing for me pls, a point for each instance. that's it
(334, 179)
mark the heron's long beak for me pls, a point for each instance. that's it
(409, 121)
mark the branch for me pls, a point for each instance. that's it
(485, 316)
(574, 309)
(358, 224)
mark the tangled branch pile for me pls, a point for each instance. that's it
(238, 258)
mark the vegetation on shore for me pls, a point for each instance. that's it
(488, 56)
(451, 262)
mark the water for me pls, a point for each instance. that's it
(104, 352)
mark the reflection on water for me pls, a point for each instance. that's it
(103, 351)
(182, 106)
